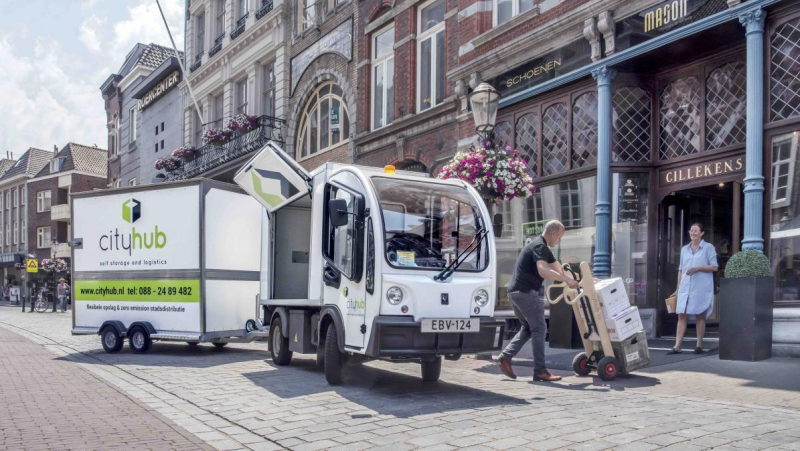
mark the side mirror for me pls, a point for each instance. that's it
(337, 212)
(497, 225)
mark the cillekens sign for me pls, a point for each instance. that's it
(702, 170)
(164, 86)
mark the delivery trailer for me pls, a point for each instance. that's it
(364, 263)
(177, 261)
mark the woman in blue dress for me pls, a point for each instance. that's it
(695, 286)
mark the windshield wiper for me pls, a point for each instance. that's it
(451, 268)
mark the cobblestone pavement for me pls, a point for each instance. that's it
(236, 398)
(50, 403)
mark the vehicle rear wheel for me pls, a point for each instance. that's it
(193, 344)
(431, 369)
(111, 340)
(334, 360)
(607, 368)
(278, 344)
(139, 340)
(580, 364)
(220, 345)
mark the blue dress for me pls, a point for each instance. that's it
(696, 292)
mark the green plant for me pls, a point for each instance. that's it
(747, 264)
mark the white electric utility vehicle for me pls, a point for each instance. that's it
(362, 263)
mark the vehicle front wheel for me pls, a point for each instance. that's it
(111, 340)
(431, 369)
(278, 344)
(139, 341)
(334, 360)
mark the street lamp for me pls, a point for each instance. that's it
(484, 101)
(53, 253)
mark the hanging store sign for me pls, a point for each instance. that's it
(544, 68)
(163, 87)
(702, 171)
(629, 202)
(339, 41)
(335, 119)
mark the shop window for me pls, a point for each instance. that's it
(325, 121)
(504, 10)
(680, 118)
(631, 119)
(629, 233)
(785, 236)
(570, 201)
(526, 138)
(726, 100)
(430, 51)
(383, 78)
(784, 156)
(503, 134)
(584, 130)
(554, 139)
(785, 71)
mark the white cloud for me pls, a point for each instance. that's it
(90, 33)
(45, 106)
(88, 4)
(144, 24)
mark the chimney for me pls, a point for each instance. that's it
(55, 149)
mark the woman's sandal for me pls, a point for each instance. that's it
(699, 350)
(674, 351)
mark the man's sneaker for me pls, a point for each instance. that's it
(505, 366)
(545, 376)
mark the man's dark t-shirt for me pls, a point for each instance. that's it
(526, 276)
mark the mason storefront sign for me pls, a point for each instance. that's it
(701, 171)
(160, 89)
(665, 14)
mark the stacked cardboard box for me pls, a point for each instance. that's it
(622, 320)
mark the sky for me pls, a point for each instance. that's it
(55, 54)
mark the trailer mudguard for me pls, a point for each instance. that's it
(332, 312)
(283, 314)
(121, 329)
(145, 325)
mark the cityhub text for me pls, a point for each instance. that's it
(115, 241)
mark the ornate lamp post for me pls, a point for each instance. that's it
(484, 101)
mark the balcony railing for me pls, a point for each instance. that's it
(217, 45)
(197, 61)
(212, 156)
(239, 26)
(63, 250)
(266, 6)
(59, 212)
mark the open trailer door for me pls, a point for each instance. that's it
(273, 178)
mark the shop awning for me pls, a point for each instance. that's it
(11, 259)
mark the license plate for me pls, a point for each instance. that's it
(438, 325)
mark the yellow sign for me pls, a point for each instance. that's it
(664, 14)
(32, 265)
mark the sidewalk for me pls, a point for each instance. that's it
(51, 403)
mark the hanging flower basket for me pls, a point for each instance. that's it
(242, 123)
(498, 174)
(56, 264)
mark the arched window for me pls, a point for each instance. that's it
(503, 134)
(584, 130)
(527, 139)
(631, 119)
(726, 100)
(554, 139)
(413, 166)
(785, 71)
(324, 122)
(680, 118)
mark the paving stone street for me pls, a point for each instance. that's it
(60, 391)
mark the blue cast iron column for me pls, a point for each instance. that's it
(602, 212)
(753, 22)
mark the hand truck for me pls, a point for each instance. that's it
(598, 352)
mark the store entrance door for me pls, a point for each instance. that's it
(718, 207)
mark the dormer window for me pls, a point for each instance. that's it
(56, 164)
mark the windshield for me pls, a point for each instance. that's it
(429, 225)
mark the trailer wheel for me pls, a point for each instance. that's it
(111, 340)
(333, 358)
(193, 344)
(278, 344)
(139, 341)
(220, 345)
(431, 369)
(250, 325)
(607, 368)
(580, 364)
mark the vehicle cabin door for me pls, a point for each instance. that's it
(343, 250)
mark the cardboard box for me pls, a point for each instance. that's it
(613, 296)
(624, 325)
(632, 353)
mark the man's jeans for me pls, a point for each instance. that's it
(529, 309)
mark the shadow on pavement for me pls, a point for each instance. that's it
(385, 392)
(572, 381)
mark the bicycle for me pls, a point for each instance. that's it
(43, 303)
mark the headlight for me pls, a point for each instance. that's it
(394, 295)
(481, 297)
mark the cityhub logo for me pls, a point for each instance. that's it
(115, 241)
